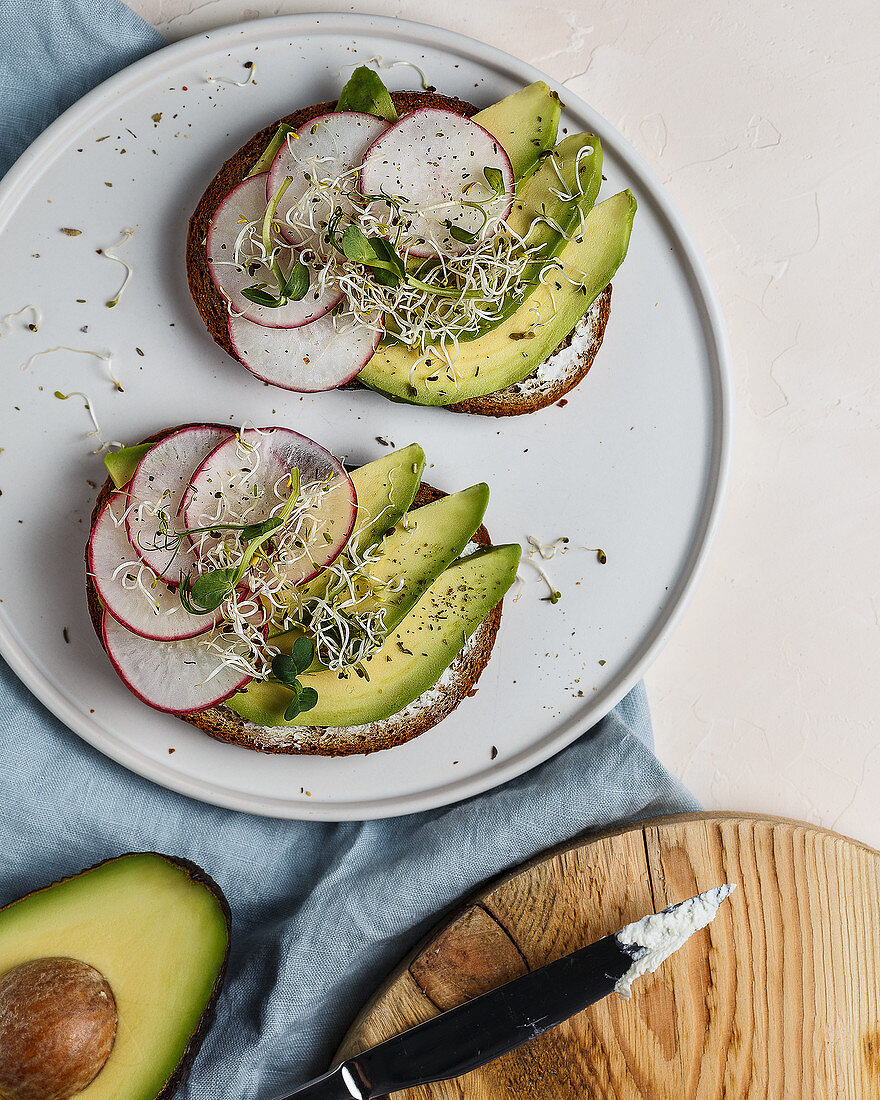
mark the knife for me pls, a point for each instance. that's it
(497, 1022)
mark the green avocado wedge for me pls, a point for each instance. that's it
(414, 656)
(157, 929)
(122, 464)
(544, 219)
(510, 352)
(385, 490)
(414, 554)
(525, 123)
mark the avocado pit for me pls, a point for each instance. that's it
(57, 1028)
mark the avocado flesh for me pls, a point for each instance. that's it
(581, 175)
(416, 551)
(385, 490)
(158, 936)
(514, 349)
(414, 656)
(525, 123)
(122, 464)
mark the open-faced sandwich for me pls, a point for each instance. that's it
(247, 583)
(407, 242)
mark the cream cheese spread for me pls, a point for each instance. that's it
(662, 934)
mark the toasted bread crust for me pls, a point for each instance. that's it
(528, 396)
(513, 401)
(421, 715)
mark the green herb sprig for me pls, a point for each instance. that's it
(287, 667)
(382, 258)
(209, 590)
(292, 287)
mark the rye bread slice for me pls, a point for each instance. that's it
(458, 682)
(525, 397)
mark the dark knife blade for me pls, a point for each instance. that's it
(484, 1028)
(489, 1026)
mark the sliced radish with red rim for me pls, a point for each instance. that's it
(129, 590)
(247, 203)
(246, 480)
(325, 148)
(435, 161)
(174, 676)
(319, 356)
(159, 482)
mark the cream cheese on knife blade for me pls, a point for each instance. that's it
(662, 934)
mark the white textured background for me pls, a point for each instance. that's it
(763, 120)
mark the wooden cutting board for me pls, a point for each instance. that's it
(779, 998)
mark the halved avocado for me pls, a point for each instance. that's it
(525, 123)
(414, 656)
(157, 928)
(510, 352)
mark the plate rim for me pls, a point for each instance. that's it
(704, 297)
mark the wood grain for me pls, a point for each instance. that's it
(779, 998)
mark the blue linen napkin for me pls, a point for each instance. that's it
(321, 912)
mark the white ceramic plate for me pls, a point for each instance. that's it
(635, 463)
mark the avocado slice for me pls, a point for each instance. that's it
(420, 547)
(414, 656)
(573, 167)
(511, 351)
(416, 551)
(525, 123)
(122, 464)
(385, 488)
(157, 928)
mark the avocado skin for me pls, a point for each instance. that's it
(198, 876)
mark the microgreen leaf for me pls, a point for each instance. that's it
(356, 246)
(293, 707)
(373, 252)
(308, 699)
(365, 92)
(284, 669)
(385, 278)
(495, 179)
(209, 590)
(256, 530)
(261, 298)
(296, 285)
(459, 234)
(303, 653)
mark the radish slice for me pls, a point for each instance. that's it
(434, 160)
(314, 357)
(322, 149)
(173, 676)
(129, 590)
(246, 480)
(247, 203)
(160, 480)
